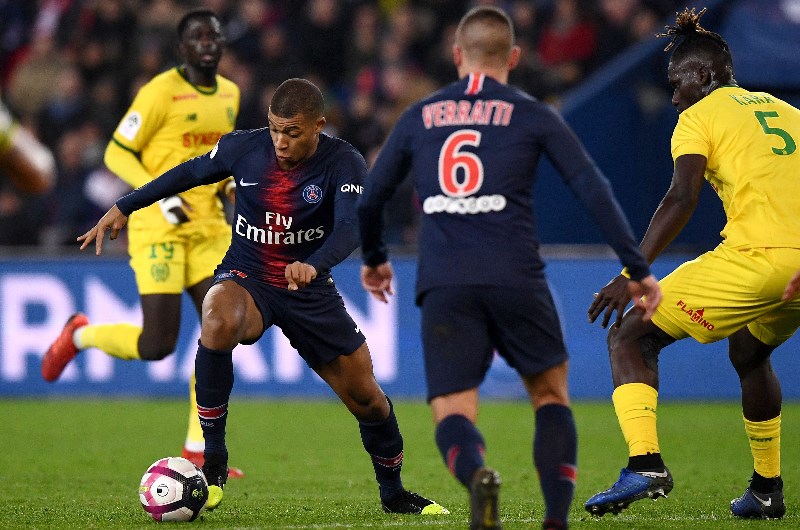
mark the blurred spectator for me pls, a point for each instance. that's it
(320, 37)
(566, 45)
(33, 82)
(244, 31)
(65, 109)
(69, 210)
(276, 62)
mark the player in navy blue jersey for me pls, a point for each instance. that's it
(473, 148)
(294, 219)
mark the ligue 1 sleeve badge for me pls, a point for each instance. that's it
(312, 193)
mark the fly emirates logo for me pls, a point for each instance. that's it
(277, 230)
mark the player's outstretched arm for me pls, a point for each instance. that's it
(377, 281)
(114, 220)
(792, 287)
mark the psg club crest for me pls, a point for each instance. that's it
(312, 193)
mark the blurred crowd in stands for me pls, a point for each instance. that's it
(70, 68)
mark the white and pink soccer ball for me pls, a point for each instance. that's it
(173, 489)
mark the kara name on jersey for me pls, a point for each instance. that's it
(274, 233)
(448, 112)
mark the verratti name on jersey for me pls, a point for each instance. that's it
(448, 112)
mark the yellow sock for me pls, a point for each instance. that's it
(635, 405)
(117, 340)
(194, 436)
(765, 445)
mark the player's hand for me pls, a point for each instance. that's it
(613, 297)
(114, 220)
(377, 281)
(299, 274)
(646, 295)
(174, 209)
(792, 287)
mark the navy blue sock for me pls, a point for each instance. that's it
(555, 448)
(461, 445)
(213, 370)
(384, 443)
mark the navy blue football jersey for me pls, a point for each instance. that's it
(305, 214)
(472, 148)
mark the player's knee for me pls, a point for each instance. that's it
(368, 407)
(220, 332)
(155, 352)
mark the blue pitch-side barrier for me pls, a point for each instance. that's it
(37, 296)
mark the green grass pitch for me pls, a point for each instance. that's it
(77, 464)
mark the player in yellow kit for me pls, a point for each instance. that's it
(745, 145)
(176, 244)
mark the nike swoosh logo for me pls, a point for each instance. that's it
(654, 474)
(243, 183)
(767, 502)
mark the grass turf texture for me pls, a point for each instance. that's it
(77, 464)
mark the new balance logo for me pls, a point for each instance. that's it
(243, 183)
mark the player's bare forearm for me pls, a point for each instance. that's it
(377, 281)
(299, 274)
(677, 206)
(113, 220)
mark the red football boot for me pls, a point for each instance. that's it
(63, 350)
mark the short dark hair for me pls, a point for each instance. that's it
(297, 97)
(688, 38)
(486, 34)
(192, 15)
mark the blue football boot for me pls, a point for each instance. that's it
(755, 505)
(631, 486)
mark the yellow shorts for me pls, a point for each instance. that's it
(168, 265)
(711, 297)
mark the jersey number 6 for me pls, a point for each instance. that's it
(452, 159)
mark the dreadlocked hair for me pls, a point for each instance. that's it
(687, 28)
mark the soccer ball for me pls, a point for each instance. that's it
(173, 489)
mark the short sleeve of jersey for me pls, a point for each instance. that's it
(691, 136)
(144, 117)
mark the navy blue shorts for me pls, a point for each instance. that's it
(317, 324)
(462, 327)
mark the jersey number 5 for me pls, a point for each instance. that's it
(452, 161)
(789, 145)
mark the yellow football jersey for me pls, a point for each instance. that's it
(170, 121)
(750, 140)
